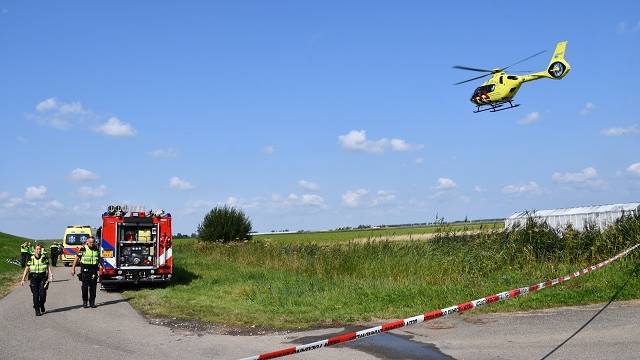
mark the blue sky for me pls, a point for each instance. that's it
(309, 116)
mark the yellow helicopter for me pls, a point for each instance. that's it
(500, 89)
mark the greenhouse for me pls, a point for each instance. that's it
(578, 217)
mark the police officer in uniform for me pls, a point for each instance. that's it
(24, 253)
(89, 257)
(39, 275)
(54, 253)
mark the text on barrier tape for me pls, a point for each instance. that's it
(510, 294)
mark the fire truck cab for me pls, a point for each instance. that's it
(135, 246)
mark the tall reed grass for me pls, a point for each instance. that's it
(289, 285)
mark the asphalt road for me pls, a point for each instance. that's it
(115, 331)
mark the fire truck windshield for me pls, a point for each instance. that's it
(76, 239)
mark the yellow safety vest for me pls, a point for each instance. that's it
(89, 257)
(38, 265)
(24, 249)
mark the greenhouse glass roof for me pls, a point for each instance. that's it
(578, 210)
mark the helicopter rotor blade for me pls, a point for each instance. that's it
(475, 78)
(471, 69)
(523, 60)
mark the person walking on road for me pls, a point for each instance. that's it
(54, 253)
(40, 274)
(24, 253)
(89, 257)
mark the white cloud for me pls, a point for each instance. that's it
(586, 174)
(115, 127)
(53, 205)
(308, 185)
(232, 201)
(35, 192)
(168, 153)
(46, 105)
(268, 150)
(356, 140)
(199, 206)
(445, 184)
(294, 199)
(401, 145)
(14, 202)
(529, 188)
(79, 174)
(419, 161)
(312, 199)
(92, 192)
(4, 195)
(60, 115)
(530, 118)
(478, 188)
(620, 131)
(236, 202)
(353, 198)
(587, 109)
(634, 168)
(383, 196)
(180, 184)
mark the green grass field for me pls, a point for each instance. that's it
(279, 284)
(9, 273)
(332, 237)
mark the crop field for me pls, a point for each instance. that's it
(286, 284)
(333, 237)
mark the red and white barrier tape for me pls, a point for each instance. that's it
(510, 294)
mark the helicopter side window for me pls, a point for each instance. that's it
(511, 77)
(501, 80)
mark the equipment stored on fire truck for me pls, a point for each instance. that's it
(135, 246)
(74, 237)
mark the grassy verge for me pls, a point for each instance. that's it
(333, 237)
(9, 273)
(300, 285)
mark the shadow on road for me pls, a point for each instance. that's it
(181, 276)
(68, 308)
(57, 281)
(615, 295)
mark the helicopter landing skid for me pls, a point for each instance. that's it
(496, 107)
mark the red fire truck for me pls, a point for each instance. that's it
(135, 246)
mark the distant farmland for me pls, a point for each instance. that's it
(390, 233)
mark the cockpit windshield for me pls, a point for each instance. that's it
(485, 89)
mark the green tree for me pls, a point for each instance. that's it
(225, 224)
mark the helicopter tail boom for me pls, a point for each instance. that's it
(558, 65)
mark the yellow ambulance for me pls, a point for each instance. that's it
(74, 237)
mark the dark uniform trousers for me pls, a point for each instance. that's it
(89, 277)
(38, 290)
(24, 257)
(54, 256)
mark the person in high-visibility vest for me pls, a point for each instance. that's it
(89, 258)
(24, 253)
(54, 253)
(40, 274)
